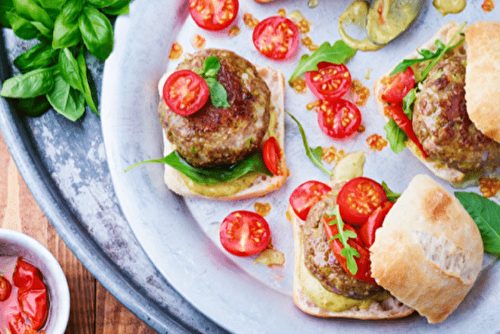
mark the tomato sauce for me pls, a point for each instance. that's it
(359, 93)
(198, 41)
(233, 31)
(262, 208)
(175, 51)
(299, 86)
(331, 154)
(24, 307)
(488, 5)
(376, 142)
(489, 186)
(250, 21)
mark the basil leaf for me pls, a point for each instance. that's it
(253, 163)
(391, 195)
(33, 106)
(66, 28)
(211, 66)
(31, 11)
(218, 94)
(34, 83)
(337, 54)
(408, 102)
(70, 70)
(118, 8)
(51, 4)
(65, 100)
(395, 136)
(21, 27)
(5, 7)
(486, 215)
(39, 56)
(312, 154)
(97, 32)
(87, 89)
(101, 3)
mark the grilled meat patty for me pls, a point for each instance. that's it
(216, 136)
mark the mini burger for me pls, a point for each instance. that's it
(223, 121)
(358, 255)
(444, 101)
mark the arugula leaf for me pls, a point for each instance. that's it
(313, 154)
(254, 163)
(391, 195)
(408, 102)
(486, 215)
(395, 136)
(344, 235)
(337, 54)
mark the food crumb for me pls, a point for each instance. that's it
(313, 105)
(198, 41)
(175, 51)
(368, 73)
(489, 186)
(361, 129)
(250, 21)
(308, 43)
(233, 31)
(299, 85)
(488, 5)
(262, 208)
(376, 142)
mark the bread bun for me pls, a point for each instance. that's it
(428, 252)
(386, 309)
(262, 184)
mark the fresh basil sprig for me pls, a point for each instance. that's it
(486, 215)
(313, 154)
(218, 94)
(254, 163)
(67, 29)
(337, 53)
(344, 235)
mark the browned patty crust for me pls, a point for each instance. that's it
(216, 136)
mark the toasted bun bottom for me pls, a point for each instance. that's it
(428, 252)
(438, 168)
(262, 184)
(386, 309)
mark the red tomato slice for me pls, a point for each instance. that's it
(213, 14)
(399, 87)
(374, 222)
(244, 233)
(272, 155)
(276, 37)
(5, 289)
(329, 82)
(363, 261)
(339, 118)
(358, 198)
(306, 195)
(185, 92)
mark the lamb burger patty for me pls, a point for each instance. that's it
(216, 136)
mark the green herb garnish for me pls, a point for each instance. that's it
(486, 215)
(253, 163)
(395, 136)
(391, 195)
(344, 235)
(313, 154)
(218, 94)
(337, 54)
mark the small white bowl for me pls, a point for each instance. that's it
(13, 243)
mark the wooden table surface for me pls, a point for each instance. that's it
(93, 309)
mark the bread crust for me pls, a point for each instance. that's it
(263, 184)
(482, 82)
(429, 252)
(386, 309)
(437, 167)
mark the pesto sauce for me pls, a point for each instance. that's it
(449, 6)
(221, 189)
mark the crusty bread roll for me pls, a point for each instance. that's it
(385, 309)
(428, 252)
(263, 184)
(482, 44)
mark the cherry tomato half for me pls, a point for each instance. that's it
(185, 92)
(306, 195)
(399, 87)
(272, 155)
(244, 233)
(363, 261)
(358, 198)
(213, 14)
(374, 222)
(5, 289)
(329, 82)
(339, 118)
(276, 37)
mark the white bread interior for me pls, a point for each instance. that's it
(438, 168)
(386, 309)
(429, 252)
(482, 82)
(263, 184)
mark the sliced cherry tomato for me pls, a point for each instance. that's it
(276, 37)
(272, 156)
(5, 289)
(399, 87)
(185, 92)
(339, 118)
(213, 14)
(375, 221)
(306, 195)
(358, 198)
(329, 82)
(32, 293)
(244, 233)
(395, 111)
(363, 261)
